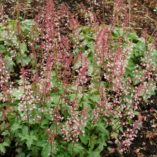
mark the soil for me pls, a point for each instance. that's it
(144, 17)
(145, 145)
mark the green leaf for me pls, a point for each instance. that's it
(133, 37)
(9, 63)
(84, 139)
(75, 149)
(2, 49)
(117, 32)
(29, 138)
(23, 47)
(46, 150)
(17, 93)
(16, 127)
(3, 146)
(94, 154)
(93, 141)
(23, 59)
(101, 127)
(5, 133)
(25, 130)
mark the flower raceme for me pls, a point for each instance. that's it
(102, 43)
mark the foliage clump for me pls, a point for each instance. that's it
(72, 94)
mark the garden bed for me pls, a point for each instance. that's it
(78, 78)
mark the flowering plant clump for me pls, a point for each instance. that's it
(68, 89)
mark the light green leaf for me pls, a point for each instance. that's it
(46, 151)
(17, 93)
(4, 145)
(9, 63)
(23, 47)
(15, 127)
